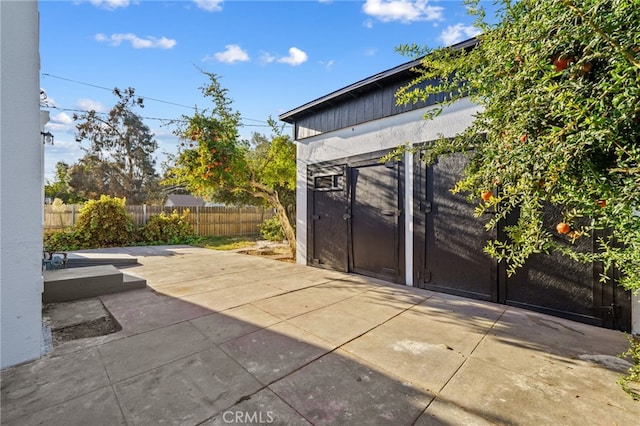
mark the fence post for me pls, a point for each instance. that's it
(73, 215)
(198, 221)
(144, 214)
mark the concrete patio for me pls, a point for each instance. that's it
(222, 338)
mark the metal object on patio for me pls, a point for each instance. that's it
(54, 260)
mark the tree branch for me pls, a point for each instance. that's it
(625, 52)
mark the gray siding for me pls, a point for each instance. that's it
(361, 108)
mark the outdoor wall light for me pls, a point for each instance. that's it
(47, 138)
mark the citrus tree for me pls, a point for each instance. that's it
(214, 162)
(559, 86)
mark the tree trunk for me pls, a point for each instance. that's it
(289, 232)
(271, 196)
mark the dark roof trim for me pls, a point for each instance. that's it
(377, 80)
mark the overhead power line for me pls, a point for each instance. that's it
(111, 90)
(104, 113)
(167, 120)
(143, 97)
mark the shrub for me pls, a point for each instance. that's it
(61, 241)
(170, 229)
(631, 382)
(271, 229)
(105, 223)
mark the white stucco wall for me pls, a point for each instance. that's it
(373, 136)
(20, 184)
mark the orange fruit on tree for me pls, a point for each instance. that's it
(601, 203)
(563, 228)
(523, 138)
(562, 62)
(486, 195)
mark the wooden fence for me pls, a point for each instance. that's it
(206, 221)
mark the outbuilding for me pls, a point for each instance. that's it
(398, 221)
(183, 200)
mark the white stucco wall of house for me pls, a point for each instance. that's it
(20, 184)
(407, 128)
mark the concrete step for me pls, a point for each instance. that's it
(64, 285)
(133, 282)
(76, 260)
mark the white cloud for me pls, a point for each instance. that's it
(110, 4)
(296, 57)
(136, 42)
(402, 10)
(458, 32)
(234, 53)
(62, 118)
(368, 24)
(65, 149)
(266, 58)
(209, 5)
(329, 64)
(90, 105)
(61, 122)
(163, 132)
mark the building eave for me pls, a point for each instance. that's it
(381, 79)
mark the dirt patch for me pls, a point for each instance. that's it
(271, 250)
(77, 319)
(99, 327)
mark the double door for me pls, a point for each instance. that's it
(356, 221)
(449, 257)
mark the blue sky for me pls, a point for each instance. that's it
(272, 56)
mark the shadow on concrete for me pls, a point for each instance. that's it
(275, 343)
(160, 250)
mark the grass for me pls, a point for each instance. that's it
(248, 243)
(226, 243)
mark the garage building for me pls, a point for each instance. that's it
(398, 221)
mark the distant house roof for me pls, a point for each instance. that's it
(183, 200)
